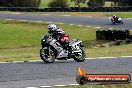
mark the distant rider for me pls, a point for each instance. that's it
(115, 17)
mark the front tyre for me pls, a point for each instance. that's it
(80, 56)
(47, 58)
(113, 22)
(121, 22)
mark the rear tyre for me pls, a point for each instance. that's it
(47, 58)
(80, 57)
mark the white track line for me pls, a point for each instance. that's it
(45, 86)
(80, 25)
(73, 84)
(22, 20)
(88, 26)
(4, 62)
(17, 61)
(125, 56)
(57, 86)
(97, 27)
(15, 13)
(71, 24)
(111, 28)
(31, 87)
(60, 85)
(66, 15)
(89, 58)
(34, 60)
(8, 19)
(46, 14)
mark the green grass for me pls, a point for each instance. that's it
(102, 86)
(21, 41)
(15, 34)
(120, 14)
(122, 50)
(44, 3)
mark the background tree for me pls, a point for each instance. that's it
(58, 3)
(98, 3)
(78, 2)
(20, 3)
(130, 2)
(124, 2)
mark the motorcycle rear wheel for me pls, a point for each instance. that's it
(80, 57)
(49, 59)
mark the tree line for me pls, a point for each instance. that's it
(62, 3)
(90, 3)
(20, 3)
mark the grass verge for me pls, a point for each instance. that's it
(20, 40)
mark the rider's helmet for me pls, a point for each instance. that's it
(114, 16)
(51, 28)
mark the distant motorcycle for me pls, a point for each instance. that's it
(74, 49)
(116, 20)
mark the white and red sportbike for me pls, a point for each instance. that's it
(51, 48)
(116, 20)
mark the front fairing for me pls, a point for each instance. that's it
(44, 39)
(76, 43)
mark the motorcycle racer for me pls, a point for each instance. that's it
(54, 46)
(115, 17)
(60, 36)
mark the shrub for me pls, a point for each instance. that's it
(98, 3)
(20, 3)
(58, 3)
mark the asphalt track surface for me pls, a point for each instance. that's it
(86, 21)
(21, 75)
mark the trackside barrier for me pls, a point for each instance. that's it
(69, 9)
(113, 35)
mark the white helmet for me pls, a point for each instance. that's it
(114, 15)
(52, 27)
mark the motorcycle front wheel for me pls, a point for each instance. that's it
(47, 58)
(113, 22)
(80, 57)
(121, 22)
